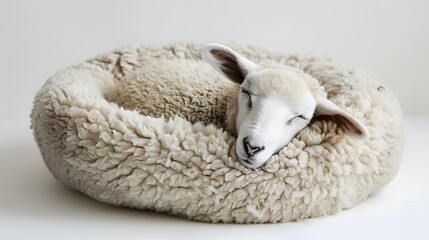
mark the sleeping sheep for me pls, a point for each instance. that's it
(265, 104)
(178, 155)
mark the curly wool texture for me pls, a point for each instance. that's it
(184, 167)
(190, 89)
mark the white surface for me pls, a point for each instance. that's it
(33, 205)
(384, 37)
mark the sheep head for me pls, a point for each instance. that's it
(273, 105)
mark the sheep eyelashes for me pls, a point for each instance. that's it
(273, 104)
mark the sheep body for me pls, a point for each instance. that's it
(162, 88)
(199, 94)
(127, 159)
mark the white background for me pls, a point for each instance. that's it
(386, 38)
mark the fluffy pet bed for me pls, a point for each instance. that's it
(93, 138)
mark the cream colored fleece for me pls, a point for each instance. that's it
(186, 168)
(188, 88)
(191, 89)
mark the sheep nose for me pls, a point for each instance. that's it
(251, 150)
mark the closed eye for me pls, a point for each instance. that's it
(249, 95)
(245, 91)
(300, 116)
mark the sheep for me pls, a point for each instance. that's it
(265, 105)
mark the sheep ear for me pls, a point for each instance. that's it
(227, 62)
(327, 110)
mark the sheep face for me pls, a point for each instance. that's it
(274, 104)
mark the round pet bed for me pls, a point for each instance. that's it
(111, 152)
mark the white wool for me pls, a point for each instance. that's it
(124, 158)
